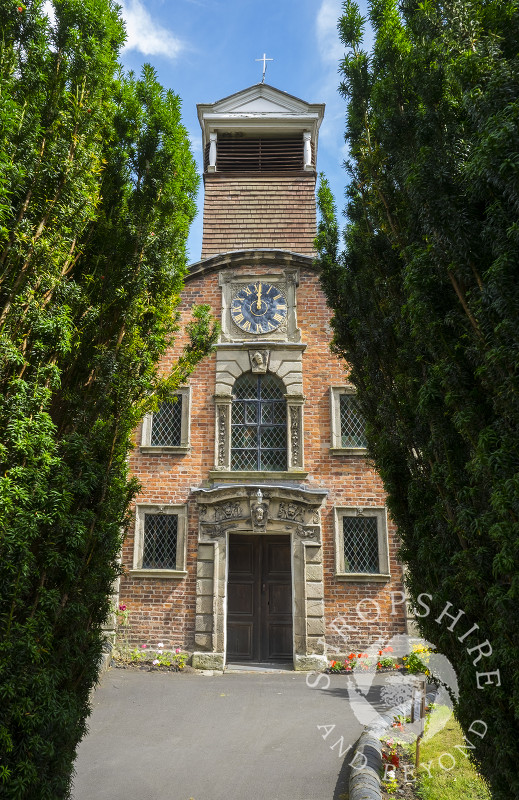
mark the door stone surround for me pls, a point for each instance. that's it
(260, 509)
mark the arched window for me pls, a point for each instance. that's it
(258, 423)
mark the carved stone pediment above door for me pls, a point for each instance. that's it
(260, 509)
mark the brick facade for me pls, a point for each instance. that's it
(340, 614)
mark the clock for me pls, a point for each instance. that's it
(259, 308)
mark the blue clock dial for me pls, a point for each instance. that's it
(259, 308)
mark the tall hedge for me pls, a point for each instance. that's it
(96, 196)
(425, 295)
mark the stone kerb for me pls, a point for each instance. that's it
(365, 780)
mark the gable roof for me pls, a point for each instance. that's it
(260, 108)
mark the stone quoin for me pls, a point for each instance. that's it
(260, 521)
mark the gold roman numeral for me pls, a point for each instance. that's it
(238, 318)
(259, 329)
(278, 317)
(247, 290)
(246, 326)
(277, 295)
(281, 308)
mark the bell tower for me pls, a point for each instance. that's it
(260, 149)
(260, 522)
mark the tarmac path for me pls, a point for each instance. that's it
(236, 736)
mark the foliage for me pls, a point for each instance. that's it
(123, 652)
(97, 192)
(426, 302)
(445, 770)
(417, 661)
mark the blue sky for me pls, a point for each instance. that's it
(206, 49)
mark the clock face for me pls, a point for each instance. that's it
(259, 308)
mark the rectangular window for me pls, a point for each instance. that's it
(160, 540)
(167, 429)
(361, 545)
(166, 425)
(352, 423)
(347, 424)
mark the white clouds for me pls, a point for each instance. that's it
(147, 36)
(331, 52)
(330, 47)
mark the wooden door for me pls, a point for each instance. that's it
(259, 599)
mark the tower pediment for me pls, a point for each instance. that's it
(260, 109)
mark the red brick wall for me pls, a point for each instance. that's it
(163, 610)
(259, 211)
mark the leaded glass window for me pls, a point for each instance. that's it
(360, 544)
(259, 423)
(166, 425)
(160, 541)
(352, 423)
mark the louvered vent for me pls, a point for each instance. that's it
(258, 155)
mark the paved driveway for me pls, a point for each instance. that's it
(241, 736)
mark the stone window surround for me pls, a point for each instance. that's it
(260, 509)
(184, 393)
(283, 359)
(141, 509)
(335, 418)
(383, 544)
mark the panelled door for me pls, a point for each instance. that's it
(259, 599)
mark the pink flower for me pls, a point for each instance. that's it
(143, 646)
(155, 661)
(177, 650)
(122, 608)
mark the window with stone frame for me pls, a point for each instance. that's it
(160, 538)
(258, 423)
(361, 543)
(167, 429)
(347, 429)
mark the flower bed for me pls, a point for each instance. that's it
(362, 661)
(148, 657)
(415, 662)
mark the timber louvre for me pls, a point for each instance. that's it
(258, 154)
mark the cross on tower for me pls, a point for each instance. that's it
(264, 59)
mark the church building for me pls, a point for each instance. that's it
(261, 533)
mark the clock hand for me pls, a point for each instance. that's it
(258, 304)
